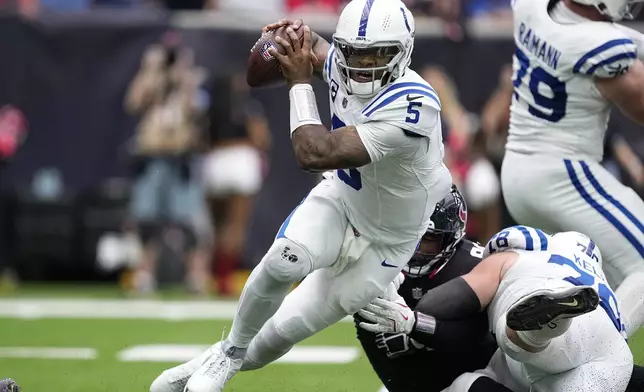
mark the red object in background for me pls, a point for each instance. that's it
(319, 5)
(13, 131)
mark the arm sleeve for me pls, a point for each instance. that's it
(454, 335)
(381, 140)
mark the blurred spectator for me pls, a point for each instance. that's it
(495, 118)
(458, 123)
(465, 156)
(482, 190)
(330, 6)
(167, 199)
(488, 8)
(27, 8)
(190, 5)
(233, 170)
(495, 123)
(13, 131)
(622, 161)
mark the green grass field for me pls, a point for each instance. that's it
(116, 345)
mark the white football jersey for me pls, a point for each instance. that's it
(556, 108)
(391, 200)
(541, 257)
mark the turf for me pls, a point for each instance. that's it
(106, 373)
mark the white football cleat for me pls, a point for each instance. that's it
(213, 375)
(176, 378)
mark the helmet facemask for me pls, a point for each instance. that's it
(434, 250)
(365, 71)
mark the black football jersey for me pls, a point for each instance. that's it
(468, 254)
(432, 370)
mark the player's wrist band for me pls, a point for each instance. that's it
(425, 324)
(304, 108)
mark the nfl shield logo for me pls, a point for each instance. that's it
(263, 51)
(417, 293)
(345, 101)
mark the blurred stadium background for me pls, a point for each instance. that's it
(141, 181)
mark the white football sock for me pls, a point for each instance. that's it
(260, 299)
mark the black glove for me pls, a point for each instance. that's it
(8, 385)
(394, 344)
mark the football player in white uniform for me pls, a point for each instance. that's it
(355, 231)
(571, 63)
(556, 320)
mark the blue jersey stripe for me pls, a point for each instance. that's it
(364, 19)
(617, 57)
(605, 213)
(329, 62)
(405, 18)
(399, 94)
(529, 242)
(611, 199)
(602, 48)
(398, 86)
(282, 231)
(543, 239)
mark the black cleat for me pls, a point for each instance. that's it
(8, 385)
(541, 308)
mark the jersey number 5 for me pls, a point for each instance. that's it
(414, 114)
(553, 101)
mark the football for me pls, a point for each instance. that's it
(263, 69)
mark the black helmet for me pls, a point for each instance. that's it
(445, 231)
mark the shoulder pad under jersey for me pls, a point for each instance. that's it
(604, 51)
(411, 105)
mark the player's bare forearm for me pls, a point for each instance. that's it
(320, 49)
(317, 149)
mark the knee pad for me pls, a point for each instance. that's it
(287, 261)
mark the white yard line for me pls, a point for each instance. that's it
(39, 308)
(48, 352)
(182, 353)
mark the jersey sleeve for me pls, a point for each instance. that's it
(519, 238)
(381, 139)
(607, 58)
(636, 36)
(411, 106)
(328, 64)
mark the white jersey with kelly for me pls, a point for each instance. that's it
(391, 199)
(556, 108)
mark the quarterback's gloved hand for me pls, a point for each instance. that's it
(8, 385)
(395, 345)
(388, 316)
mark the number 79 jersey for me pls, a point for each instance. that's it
(556, 108)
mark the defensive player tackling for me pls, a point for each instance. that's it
(354, 232)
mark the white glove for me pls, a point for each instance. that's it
(387, 316)
(391, 293)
